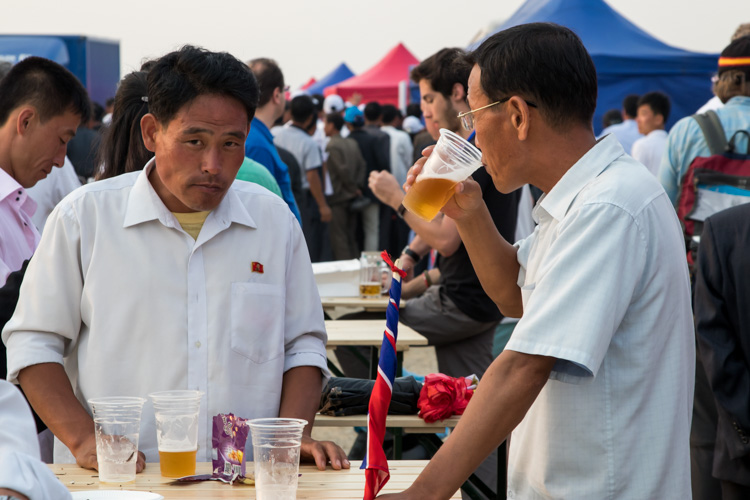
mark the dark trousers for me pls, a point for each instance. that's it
(703, 439)
(343, 231)
(315, 231)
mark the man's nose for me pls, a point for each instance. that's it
(212, 161)
(59, 158)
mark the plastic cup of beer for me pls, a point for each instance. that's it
(452, 161)
(373, 272)
(276, 446)
(176, 414)
(117, 425)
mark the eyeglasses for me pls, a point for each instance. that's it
(467, 117)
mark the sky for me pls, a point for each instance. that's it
(309, 38)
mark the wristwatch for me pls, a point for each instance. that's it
(401, 211)
(9, 497)
(406, 251)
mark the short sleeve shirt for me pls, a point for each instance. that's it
(605, 291)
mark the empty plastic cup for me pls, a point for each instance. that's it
(276, 445)
(117, 424)
(453, 160)
(176, 414)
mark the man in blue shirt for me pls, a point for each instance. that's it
(259, 144)
(686, 141)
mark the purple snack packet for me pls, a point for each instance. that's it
(228, 441)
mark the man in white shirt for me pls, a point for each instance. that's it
(174, 278)
(627, 131)
(596, 381)
(653, 112)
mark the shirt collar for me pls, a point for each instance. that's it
(15, 193)
(145, 205)
(558, 201)
(739, 100)
(261, 127)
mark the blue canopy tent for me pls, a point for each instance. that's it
(17, 48)
(341, 73)
(628, 60)
(94, 61)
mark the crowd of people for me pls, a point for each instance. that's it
(185, 214)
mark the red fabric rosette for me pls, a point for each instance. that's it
(443, 396)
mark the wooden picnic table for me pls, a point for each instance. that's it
(313, 484)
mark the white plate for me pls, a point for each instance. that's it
(115, 495)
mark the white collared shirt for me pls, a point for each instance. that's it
(131, 304)
(650, 149)
(18, 236)
(605, 290)
(48, 192)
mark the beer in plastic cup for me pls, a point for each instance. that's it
(276, 447)
(117, 425)
(374, 275)
(176, 414)
(452, 161)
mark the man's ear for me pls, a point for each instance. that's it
(277, 95)
(25, 120)
(661, 122)
(520, 117)
(458, 93)
(149, 128)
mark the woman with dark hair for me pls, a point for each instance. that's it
(122, 149)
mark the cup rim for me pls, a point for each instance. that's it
(119, 401)
(277, 423)
(454, 139)
(176, 395)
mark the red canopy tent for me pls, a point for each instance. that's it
(379, 83)
(309, 83)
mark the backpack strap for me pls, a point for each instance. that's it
(710, 124)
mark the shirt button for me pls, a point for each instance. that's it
(17, 198)
(197, 344)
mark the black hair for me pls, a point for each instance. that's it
(44, 84)
(97, 111)
(180, 76)
(269, 77)
(630, 105)
(336, 119)
(147, 64)
(390, 114)
(302, 108)
(318, 101)
(612, 117)
(109, 102)
(414, 109)
(373, 111)
(658, 102)
(122, 149)
(444, 69)
(543, 63)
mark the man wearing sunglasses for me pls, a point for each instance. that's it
(596, 382)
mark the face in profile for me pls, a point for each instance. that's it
(438, 111)
(43, 145)
(198, 153)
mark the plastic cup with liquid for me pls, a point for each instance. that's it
(452, 161)
(176, 414)
(276, 448)
(117, 425)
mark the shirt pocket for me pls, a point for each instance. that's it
(526, 292)
(257, 321)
